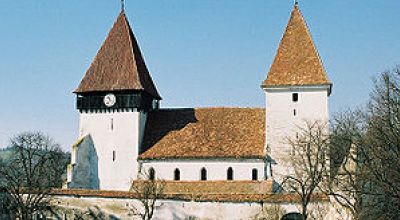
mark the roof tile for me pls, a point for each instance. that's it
(205, 133)
(119, 64)
(297, 61)
(204, 191)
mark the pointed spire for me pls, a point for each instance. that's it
(119, 64)
(122, 5)
(297, 61)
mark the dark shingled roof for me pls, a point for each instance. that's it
(118, 65)
(297, 61)
(205, 133)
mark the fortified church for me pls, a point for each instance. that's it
(125, 135)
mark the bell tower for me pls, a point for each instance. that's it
(296, 91)
(113, 100)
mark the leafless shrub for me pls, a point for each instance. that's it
(148, 190)
(270, 212)
(309, 159)
(367, 182)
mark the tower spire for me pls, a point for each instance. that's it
(126, 71)
(122, 5)
(297, 61)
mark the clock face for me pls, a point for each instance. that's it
(109, 100)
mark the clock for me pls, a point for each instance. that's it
(109, 100)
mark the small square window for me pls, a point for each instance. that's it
(295, 97)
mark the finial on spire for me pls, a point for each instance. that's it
(296, 2)
(122, 5)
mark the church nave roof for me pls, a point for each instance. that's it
(205, 133)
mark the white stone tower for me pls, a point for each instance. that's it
(296, 90)
(113, 99)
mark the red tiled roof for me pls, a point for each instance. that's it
(119, 64)
(203, 191)
(243, 187)
(205, 133)
(297, 61)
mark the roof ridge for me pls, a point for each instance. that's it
(216, 107)
(312, 40)
(227, 107)
(131, 44)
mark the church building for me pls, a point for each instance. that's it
(125, 135)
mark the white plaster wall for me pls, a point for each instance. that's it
(123, 137)
(282, 124)
(216, 169)
(113, 208)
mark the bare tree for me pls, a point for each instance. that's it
(270, 212)
(345, 185)
(382, 141)
(148, 191)
(35, 166)
(370, 188)
(380, 149)
(310, 163)
(5, 211)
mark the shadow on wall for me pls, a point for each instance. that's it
(85, 171)
(161, 122)
(177, 213)
(96, 213)
(92, 213)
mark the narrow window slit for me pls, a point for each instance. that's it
(295, 97)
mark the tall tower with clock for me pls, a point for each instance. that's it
(113, 100)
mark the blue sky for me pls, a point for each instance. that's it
(200, 53)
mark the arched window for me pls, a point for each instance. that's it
(254, 174)
(230, 174)
(177, 174)
(292, 216)
(152, 174)
(203, 174)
